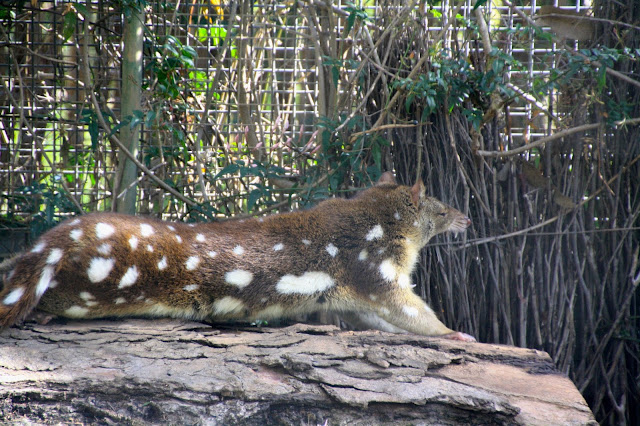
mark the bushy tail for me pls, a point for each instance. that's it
(6, 267)
(18, 296)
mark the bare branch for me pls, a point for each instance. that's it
(540, 142)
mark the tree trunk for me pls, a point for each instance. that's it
(127, 172)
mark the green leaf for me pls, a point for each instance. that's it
(81, 8)
(335, 73)
(602, 77)
(188, 51)
(151, 116)
(227, 170)
(253, 198)
(431, 103)
(409, 101)
(376, 153)
(478, 4)
(136, 118)
(69, 25)
(425, 114)
(203, 35)
(218, 34)
(350, 21)
(90, 118)
(187, 61)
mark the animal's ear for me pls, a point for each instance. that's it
(387, 178)
(417, 192)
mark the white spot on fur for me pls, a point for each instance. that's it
(45, 280)
(54, 256)
(364, 254)
(104, 230)
(129, 278)
(238, 250)
(331, 249)
(385, 311)
(171, 228)
(373, 297)
(74, 222)
(39, 247)
(53, 284)
(149, 248)
(404, 281)
(178, 238)
(75, 234)
(120, 301)
(382, 250)
(14, 296)
(278, 247)
(273, 311)
(99, 268)
(238, 277)
(375, 233)
(146, 230)
(228, 305)
(191, 225)
(388, 270)
(162, 310)
(415, 223)
(396, 216)
(104, 249)
(191, 287)
(192, 263)
(133, 242)
(200, 238)
(410, 311)
(307, 283)
(163, 263)
(76, 312)
(86, 296)
(212, 254)
(306, 242)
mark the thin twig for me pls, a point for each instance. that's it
(381, 128)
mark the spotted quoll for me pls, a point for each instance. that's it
(352, 256)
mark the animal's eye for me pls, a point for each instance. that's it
(443, 214)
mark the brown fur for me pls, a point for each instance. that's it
(343, 255)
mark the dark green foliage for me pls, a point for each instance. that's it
(45, 205)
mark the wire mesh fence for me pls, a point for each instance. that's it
(253, 79)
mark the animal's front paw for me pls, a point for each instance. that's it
(457, 335)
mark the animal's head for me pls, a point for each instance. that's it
(432, 216)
